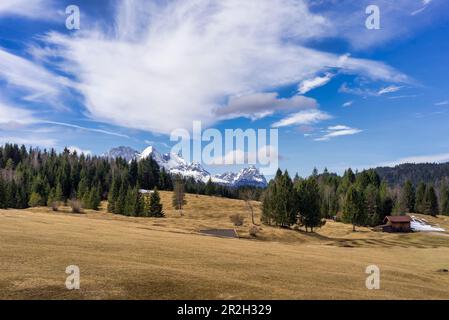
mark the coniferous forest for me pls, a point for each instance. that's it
(33, 177)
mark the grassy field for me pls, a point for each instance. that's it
(137, 258)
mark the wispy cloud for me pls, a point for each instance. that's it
(305, 117)
(74, 126)
(389, 89)
(34, 81)
(424, 4)
(310, 84)
(182, 60)
(338, 131)
(348, 104)
(35, 9)
(430, 158)
(11, 116)
(29, 140)
(442, 103)
(366, 92)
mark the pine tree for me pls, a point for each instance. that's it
(11, 190)
(308, 194)
(354, 211)
(83, 189)
(409, 196)
(210, 188)
(372, 203)
(284, 201)
(94, 198)
(113, 194)
(431, 202)
(51, 197)
(386, 202)
(445, 200)
(35, 200)
(420, 198)
(58, 193)
(155, 205)
(121, 199)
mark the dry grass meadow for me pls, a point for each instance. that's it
(137, 258)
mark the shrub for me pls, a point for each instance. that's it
(55, 205)
(253, 231)
(237, 219)
(76, 206)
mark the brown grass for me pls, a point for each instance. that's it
(143, 258)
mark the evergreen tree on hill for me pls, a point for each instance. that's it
(155, 205)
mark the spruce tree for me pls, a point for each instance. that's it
(308, 194)
(121, 199)
(210, 188)
(445, 200)
(420, 198)
(372, 203)
(94, 198)
(386, 202)
(155, 205)
(431, 202)
(409, 196)
(113, 194)
(354, 211)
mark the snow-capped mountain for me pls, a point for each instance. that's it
(246, 177)
(175, 164)
(126, 153)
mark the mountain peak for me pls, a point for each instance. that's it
(175, 164)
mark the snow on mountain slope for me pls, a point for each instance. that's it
(246, 177)
(126, 153)
(175, 164)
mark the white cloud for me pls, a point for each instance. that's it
(168, 63)
(347, 19)
(303, 118)
(348, 104)
(74, 126)
(79, 151)
(442, 103)
(34, 9)
(338, 131)
(35, 81)
(389, 89)
(30, 140)
(11, 116)
(432, 158)
(310, 84)
(424, 4)
(338, 128)
(259, 105)
(239, 156)
(366, 92)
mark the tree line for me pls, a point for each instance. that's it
(33, 177)
(361, 199)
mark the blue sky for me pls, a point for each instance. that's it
(339, 94)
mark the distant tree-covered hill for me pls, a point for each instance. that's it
(431, 173)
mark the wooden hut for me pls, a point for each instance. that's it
(397, 224)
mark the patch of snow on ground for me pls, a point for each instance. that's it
(421, 225)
